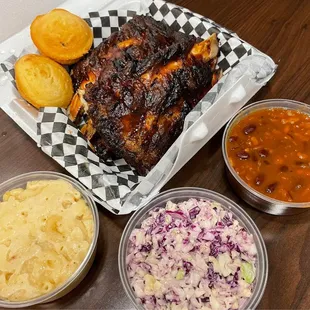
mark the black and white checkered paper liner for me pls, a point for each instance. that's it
(113, 183)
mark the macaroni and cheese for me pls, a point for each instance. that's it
(45, 232)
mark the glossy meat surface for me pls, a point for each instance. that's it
(138, 86)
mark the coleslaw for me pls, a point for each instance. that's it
(191, 255)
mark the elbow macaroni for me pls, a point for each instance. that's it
(45, 232)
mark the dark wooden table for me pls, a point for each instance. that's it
(280, 28)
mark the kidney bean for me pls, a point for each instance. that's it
(271, 188)
(233, 139)
(284, 168)
(266, 162)
(259, 179)
(249, 129)
(301, 164)
(263, 153)
(243, 155)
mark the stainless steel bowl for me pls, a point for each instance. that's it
(20, 182)
(247, 193)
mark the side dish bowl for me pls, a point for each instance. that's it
(247, 193)
(81, 271)
(184, 194)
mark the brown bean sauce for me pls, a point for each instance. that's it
(270, 150)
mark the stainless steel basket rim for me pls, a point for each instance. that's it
(280, 203)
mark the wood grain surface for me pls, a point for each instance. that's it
(281, 29)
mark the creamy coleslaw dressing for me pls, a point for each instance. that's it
(45, 232)
(191, 255)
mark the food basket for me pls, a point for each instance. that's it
(113, 183)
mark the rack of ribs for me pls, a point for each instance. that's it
(137, 87)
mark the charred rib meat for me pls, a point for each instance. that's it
(137, 87)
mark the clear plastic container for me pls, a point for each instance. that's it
(182, 194)
(80, 273)
(246, 192)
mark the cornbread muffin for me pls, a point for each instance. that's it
(43, 82)
(61, 36)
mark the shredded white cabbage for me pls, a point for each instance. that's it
(191, 255)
